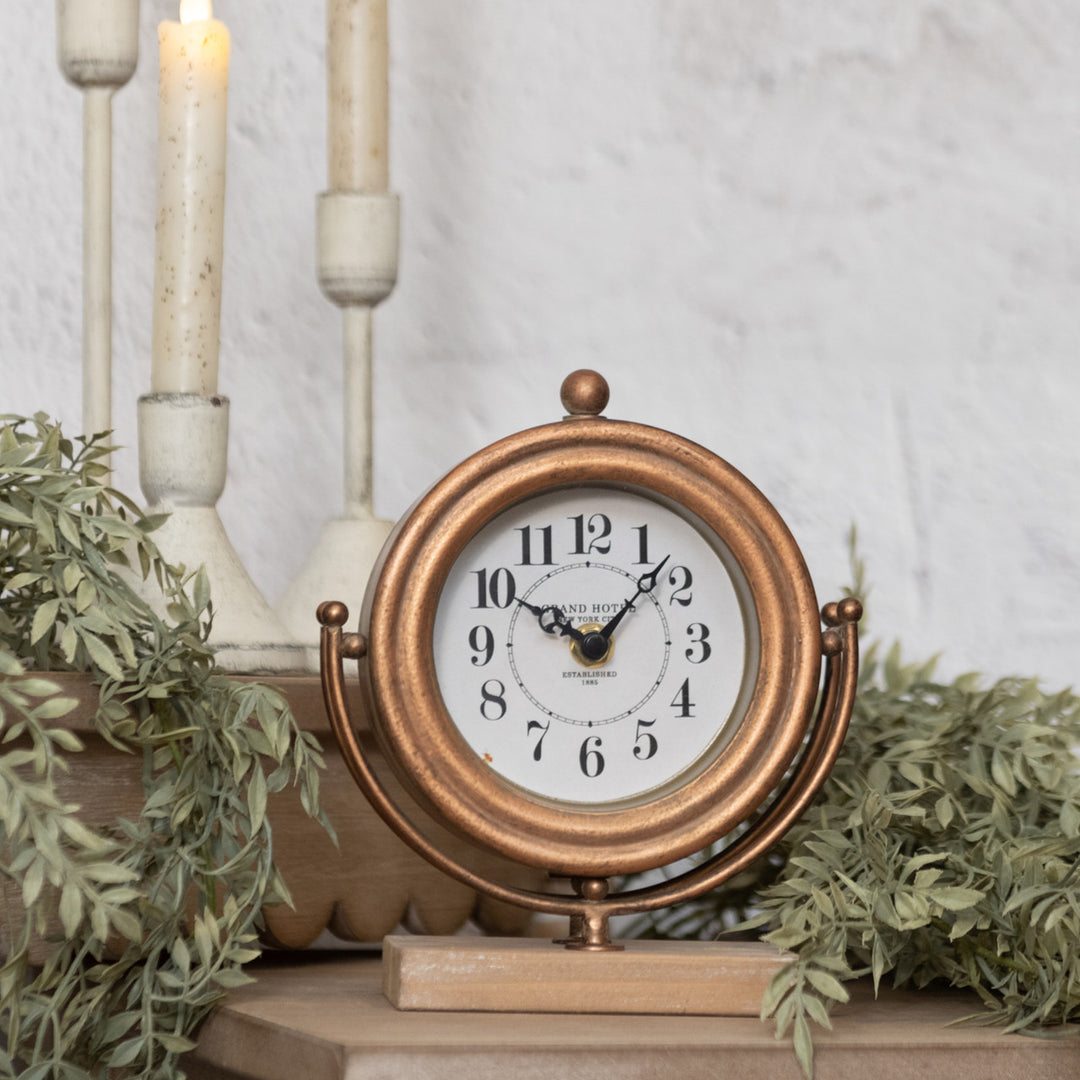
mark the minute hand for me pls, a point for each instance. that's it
(645, 583)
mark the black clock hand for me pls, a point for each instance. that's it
(558, 621)
(645, 583)
(562, 623)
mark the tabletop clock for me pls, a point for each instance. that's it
(594, 648)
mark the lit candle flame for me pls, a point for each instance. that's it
(196, 10)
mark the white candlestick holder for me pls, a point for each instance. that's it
(183, 448)
(97, 46)
(358, 240)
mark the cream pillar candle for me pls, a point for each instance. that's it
(358, 88)
(192, 100)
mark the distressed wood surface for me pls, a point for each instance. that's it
(658, 978)
(320, 1017)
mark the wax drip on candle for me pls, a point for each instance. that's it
(196, 10)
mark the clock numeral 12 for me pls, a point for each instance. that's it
(598, 528)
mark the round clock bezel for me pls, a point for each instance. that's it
(419, 737)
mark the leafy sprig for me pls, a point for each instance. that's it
(943, 847)
(149, 921)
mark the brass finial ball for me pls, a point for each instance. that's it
(584, 393)
(849, 610)
(594, 889)
(831, 642)
(332, 613)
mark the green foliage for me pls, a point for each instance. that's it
(158, 915)
(944, 846)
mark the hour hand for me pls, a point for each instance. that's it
(552, 619)
(537, 611)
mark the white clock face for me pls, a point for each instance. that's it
(594, 645)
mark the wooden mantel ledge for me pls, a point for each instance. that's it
(323, 1017)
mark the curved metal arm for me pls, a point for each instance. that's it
(591, 909)
(834, 713)
(334, 647)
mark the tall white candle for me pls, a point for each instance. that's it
(358, 94)
(192, 101)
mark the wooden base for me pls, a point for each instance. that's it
(659, 978)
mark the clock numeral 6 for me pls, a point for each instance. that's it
(493, 705)
(500, 588)
(645, 744)
(482, 643)
(590, 759)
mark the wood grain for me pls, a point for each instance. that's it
(659, 978)
(324, 1017)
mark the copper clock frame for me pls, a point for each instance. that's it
(438, 768)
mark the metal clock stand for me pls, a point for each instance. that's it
(467, 644)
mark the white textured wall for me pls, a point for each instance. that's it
(837, 241)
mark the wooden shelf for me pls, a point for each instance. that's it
(323, 1017)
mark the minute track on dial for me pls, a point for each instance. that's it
(536, 689)
(575, 557)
